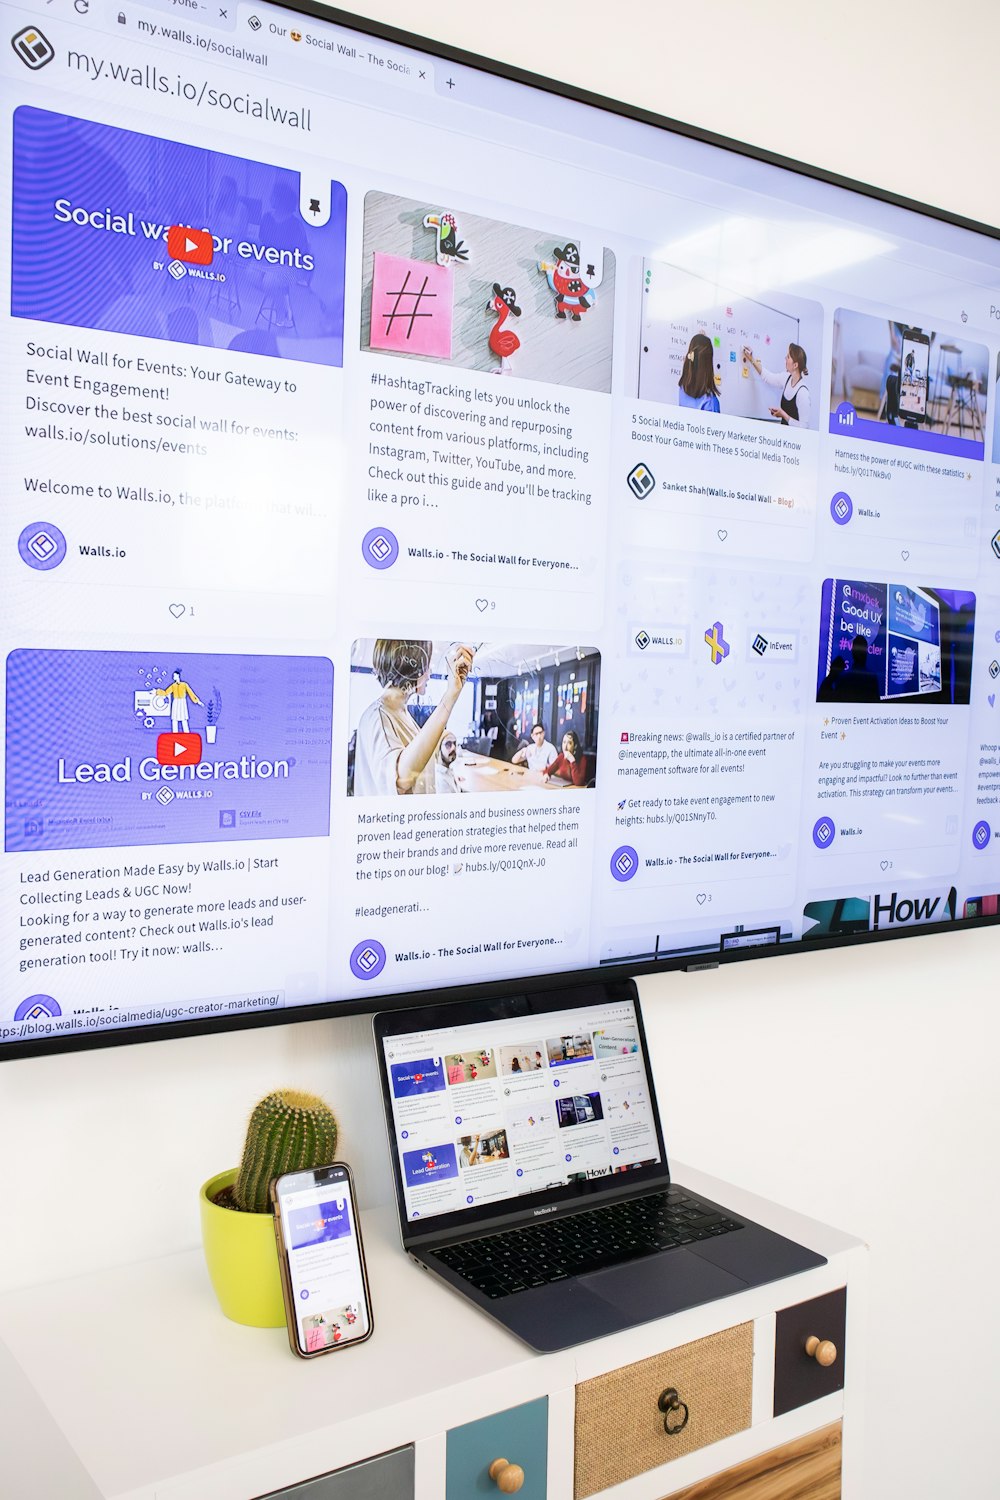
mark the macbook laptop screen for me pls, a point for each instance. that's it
(499, 1108)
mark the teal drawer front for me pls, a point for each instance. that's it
(519, 1435)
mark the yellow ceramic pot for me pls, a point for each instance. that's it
(242, 1259)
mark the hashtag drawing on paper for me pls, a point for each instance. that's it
(417, 295)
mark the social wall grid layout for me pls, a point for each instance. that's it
(517, 584)
(517, 1106)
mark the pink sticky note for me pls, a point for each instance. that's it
(411, 306)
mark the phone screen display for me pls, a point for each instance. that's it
(913, 377)
(325, 1276)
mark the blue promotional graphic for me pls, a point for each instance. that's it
(318, 1223)
(260, 270)
(110, 749)
(425, 1076)
(432, 1164)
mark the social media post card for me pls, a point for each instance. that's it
(168, 476)
(723, 429)
(689, 484)
(136, 234)
(892, 899)
(233, 932)
(890, 505)
(891, 728)
(533, 1134)
(981, 840)
(899, 382)
(707, 800)
(446, 285)
(480, 496)
(126, 749)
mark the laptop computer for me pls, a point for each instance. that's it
(531, 1174)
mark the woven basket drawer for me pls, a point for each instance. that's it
(619, 1428)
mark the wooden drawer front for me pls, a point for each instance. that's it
(519, 1435)
(388, 1477)
(619, 1427)
(806, 1469)
(798, 1377)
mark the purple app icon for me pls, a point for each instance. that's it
(981, 834)
(841, 508)
(42, 546)
(37, 1006)
(624, 862)
(367, 959)
(379, 548)
(824, 832)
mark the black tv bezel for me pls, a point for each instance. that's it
(327, 1010)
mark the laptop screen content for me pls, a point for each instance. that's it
(495, 1110)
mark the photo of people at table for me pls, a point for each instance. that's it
(482, 1148)
(445, 718)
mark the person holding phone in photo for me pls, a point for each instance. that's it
(796, 402)
(696, 387)
(571, 764)
(393, 753)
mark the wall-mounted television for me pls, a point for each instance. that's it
(461, 532)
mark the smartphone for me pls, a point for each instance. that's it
(913, 368)
(322, 1260)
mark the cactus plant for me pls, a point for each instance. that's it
(289, 1131)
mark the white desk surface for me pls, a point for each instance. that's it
(134, 1376)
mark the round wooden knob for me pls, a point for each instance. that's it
(508, 1478)
(821, 1350)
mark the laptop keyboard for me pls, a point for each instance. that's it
(500, 1265)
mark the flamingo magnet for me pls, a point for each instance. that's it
(503, 341)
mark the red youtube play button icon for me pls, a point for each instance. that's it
(191, 245)
(178, 749)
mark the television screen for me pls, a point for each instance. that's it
(462, 532)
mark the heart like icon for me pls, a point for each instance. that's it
(905, 555)
(722, 535)
(177, 610)
(482, 604)
(700, 898)
(991, 700)
(885, 864)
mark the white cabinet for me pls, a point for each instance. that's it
(130, 1385)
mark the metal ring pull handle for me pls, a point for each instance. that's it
(671, 1405)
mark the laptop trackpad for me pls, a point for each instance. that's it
(659, 1285)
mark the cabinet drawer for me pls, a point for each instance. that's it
(806, 1469)
(619, 1425)
(519, 1435)
(798, 1376)
(388, 1477)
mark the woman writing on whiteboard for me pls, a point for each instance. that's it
(795, 401)
(696, 386)
(393, 753)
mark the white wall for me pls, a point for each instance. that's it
(858, 1086)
